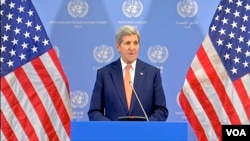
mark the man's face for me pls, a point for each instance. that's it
(129, 48)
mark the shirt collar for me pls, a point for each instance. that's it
(124, 64)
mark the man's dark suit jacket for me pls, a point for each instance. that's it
(108, 100)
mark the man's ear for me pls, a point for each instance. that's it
(117, 47)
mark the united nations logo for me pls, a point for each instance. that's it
(79, 99)
(157, 54)
(132, 8)
(103, 53)
(187, 8)
(78, 8)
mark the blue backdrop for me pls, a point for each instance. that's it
(82, 31)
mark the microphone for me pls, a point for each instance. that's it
(131, 84)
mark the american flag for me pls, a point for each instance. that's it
(216, 90)
(35, 103)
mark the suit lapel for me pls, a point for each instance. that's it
(140, 75)
(117, 77)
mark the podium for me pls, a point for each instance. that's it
(128, 131)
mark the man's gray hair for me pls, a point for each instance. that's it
(124, 31)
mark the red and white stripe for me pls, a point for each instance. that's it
(35, 103)
(210, 99)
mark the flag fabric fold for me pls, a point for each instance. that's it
(35, 100)
(216, 89)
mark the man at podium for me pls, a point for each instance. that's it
(128, 88)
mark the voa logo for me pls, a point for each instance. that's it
(236, 132)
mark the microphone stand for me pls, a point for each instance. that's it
(131, 84)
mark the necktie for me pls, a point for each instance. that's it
(128, 88)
